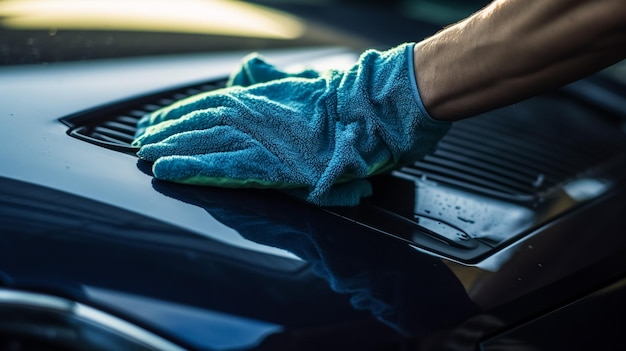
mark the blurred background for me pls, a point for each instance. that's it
(46, 31)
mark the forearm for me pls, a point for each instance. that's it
(513, 49)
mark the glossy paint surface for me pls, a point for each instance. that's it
(216, 269)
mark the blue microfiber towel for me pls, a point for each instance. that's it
(307, 133)
(255, 69)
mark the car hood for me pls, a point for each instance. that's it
(208, 268)
(35, 97)
(216, 268)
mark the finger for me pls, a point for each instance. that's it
(194, 121)
(197, 142)
(253, 167)
(183, 107)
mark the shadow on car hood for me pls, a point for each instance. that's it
(161, 276)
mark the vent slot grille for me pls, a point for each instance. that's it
(114, 126)
(518, 152)
(521, 151)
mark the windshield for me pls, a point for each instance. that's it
(48, 31)
(44, 31)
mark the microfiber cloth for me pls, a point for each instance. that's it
(255, 69)
(296, 132)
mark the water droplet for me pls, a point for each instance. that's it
(463, 236)
(530, 247)
(519, 279)
(466, 220)
(539, 265)
(427, 211)
(540, 178)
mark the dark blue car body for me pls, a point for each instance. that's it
(511, 235)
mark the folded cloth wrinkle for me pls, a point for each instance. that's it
(308, 130)
(254, 69)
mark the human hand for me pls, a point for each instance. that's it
(294, 132)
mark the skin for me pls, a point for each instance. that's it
(514, 49)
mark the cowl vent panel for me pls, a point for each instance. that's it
(114, 126)
(522, 151)
(492, 179)
(518, 152)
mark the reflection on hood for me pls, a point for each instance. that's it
(223, 17)
(411, 292)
